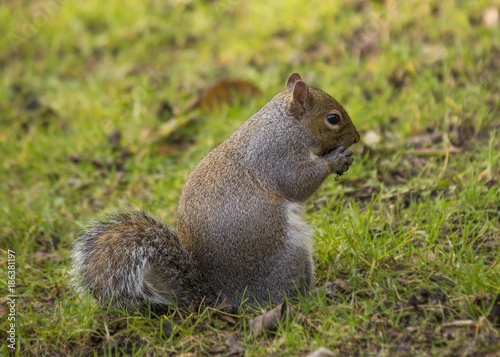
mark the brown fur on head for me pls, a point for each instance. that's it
(322, 115)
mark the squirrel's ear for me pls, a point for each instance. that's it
(300, 94)
(294, 77)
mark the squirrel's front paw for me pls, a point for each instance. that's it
(339, 160)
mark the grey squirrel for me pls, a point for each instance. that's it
(240, 232)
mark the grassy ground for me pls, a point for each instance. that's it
(407, 242)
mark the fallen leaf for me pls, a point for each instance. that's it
(341, 283)
(225, 304)
(234, 345)
(270, 320)
(227, 91)
(222, 311)
(193, 306)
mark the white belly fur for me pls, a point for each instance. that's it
(299, 232)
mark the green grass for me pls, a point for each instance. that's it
(407, 253)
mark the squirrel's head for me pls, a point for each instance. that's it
(321, 115)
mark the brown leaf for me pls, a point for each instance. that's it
(227, 91)
(221, 311)
(270, 320)
(193, 306)
(225, 304)
(341, 283)
(235, 347)
(230, 319)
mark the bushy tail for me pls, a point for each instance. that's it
(129, 259)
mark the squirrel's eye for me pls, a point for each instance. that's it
(333, 118)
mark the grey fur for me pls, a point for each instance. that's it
(240, 234)
(232, 215)
(130, 259)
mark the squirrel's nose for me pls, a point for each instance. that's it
(356, 137)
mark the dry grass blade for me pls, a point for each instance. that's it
(270, 320)
(321, 352)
